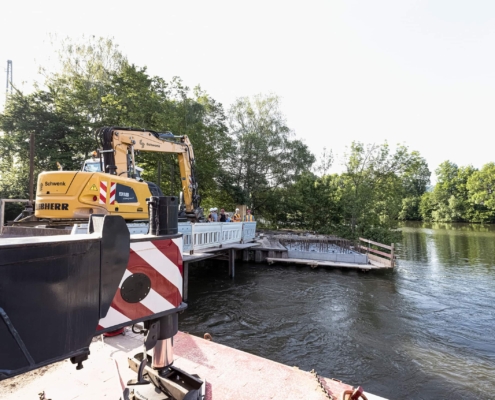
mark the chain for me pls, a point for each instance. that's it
(42, 396)
(157, 218)
(321, 384)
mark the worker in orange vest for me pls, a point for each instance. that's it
(236, 217)
(248, 217)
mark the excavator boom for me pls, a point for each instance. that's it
(119, 145)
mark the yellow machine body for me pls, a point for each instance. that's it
(78, 194)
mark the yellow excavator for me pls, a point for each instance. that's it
(112, 184)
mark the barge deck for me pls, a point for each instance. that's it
(229, 374)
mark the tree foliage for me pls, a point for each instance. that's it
(462, 194)
(481, 188)
(267, 156)
(374, 185)
(377, 188)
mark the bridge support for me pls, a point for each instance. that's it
(232, 263)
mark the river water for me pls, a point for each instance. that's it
(425, 330)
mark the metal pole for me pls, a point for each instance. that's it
(2, 215)
(159, 174)
(31, 168)
(172, 176)
(133, 167)
(9, 79)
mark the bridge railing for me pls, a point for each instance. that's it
(248, 231)
(206, 235)
(231, 233)
(213, 234)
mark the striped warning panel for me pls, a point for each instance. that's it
(161, 261)
(103, 192)
(113, 189)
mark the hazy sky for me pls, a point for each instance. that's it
(416, 72)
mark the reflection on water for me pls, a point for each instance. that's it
(425, 330)
(452, 244)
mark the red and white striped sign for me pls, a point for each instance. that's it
(113, 189)
(103, 192)
(161, 261)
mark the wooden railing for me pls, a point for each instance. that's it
(377, 255)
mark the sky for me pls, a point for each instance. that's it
(419, 73)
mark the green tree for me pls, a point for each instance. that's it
(449, 201)
(324, 162)
(267, 155)
(427, 206)
(481, 187)
(85, 72)
(318, 203)
(373, 189)
(415, 178)
(55, 127)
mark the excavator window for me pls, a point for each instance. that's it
(125, 194)
(92, 167)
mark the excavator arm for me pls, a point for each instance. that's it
(119, 146)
